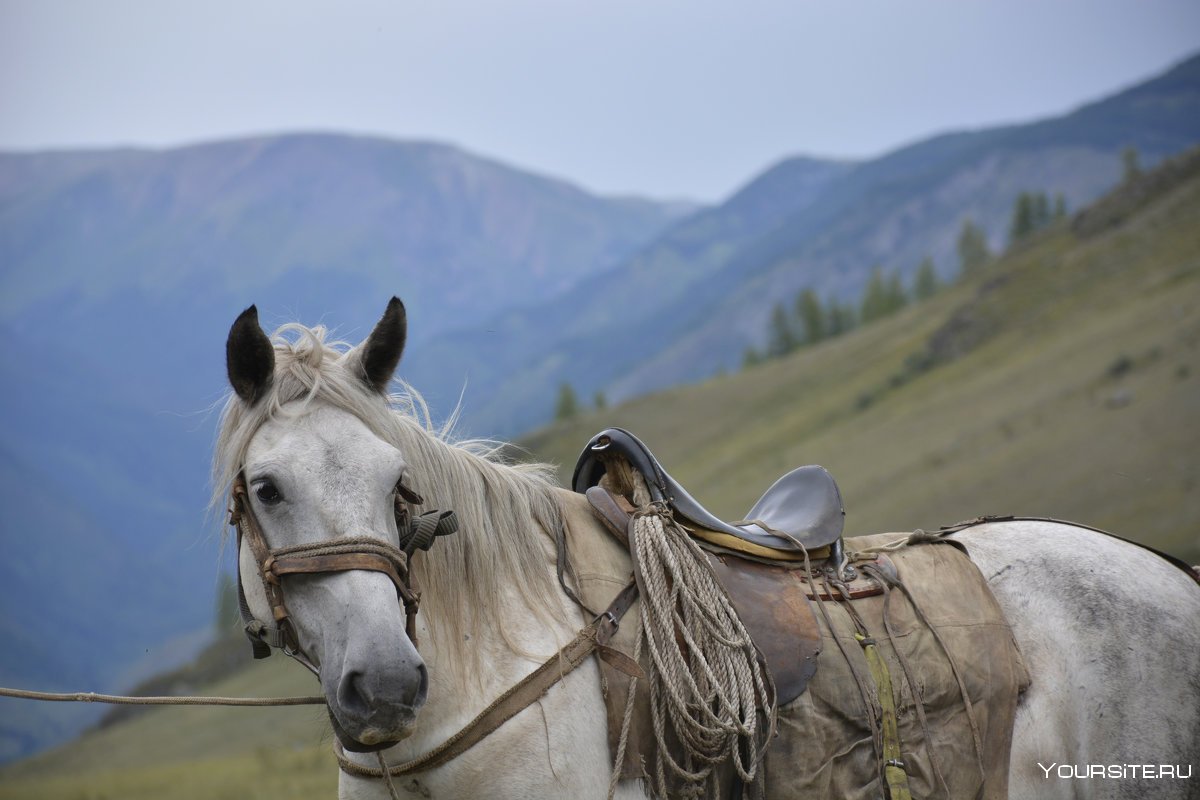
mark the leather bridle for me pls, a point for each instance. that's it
(338, 555)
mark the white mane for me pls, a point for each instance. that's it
(503, 509)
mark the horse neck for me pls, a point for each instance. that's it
(515, 641)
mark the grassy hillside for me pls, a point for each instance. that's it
(185, 753)
(1064, 381)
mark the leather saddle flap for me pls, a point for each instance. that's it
(774, 607)
(772, 602)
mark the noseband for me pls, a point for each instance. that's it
(338, 555)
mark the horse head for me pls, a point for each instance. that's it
(312, 473)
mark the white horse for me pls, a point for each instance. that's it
(1109, 631)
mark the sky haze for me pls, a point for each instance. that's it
(668, 99)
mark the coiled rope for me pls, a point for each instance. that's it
(706, 682)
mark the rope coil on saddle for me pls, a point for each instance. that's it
(707, 682)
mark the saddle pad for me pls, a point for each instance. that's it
(826, 747)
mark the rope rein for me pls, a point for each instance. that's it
(170, 700)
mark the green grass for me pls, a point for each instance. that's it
(1079, 397)
(262, 774)
(209, 752)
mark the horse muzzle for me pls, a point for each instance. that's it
(373, 711)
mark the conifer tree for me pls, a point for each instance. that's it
(812, 316)
(781, 336)
(875, 298)
(1060, 206)
(897, 298)
(973, 252)
(567, 405)
(926, 284)
(1023, 218)
(1130, 168)
(599, 401)
(1040, 210)
(751, 357)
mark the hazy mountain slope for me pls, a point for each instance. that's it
(505, 359)
(443, 226)
(107, 549)
(1065, 381)
(636, 329)
(911, 203)
(153, 249)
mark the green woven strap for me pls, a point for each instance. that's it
(893, 765)
(426, 528)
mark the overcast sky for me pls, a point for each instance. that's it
(671, 98)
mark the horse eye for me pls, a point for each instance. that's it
(267, 493)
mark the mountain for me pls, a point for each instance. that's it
(514, 357)
(427, 220)
(669, 315)
(309, 226)
(121, 273)
(1007, 393)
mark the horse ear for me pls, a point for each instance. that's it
(380, 354)
(249, 357)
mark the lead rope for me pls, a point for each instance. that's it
(387, 775)
(170, 700)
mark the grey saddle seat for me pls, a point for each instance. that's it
(804, 503)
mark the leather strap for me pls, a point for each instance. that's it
(591, 639)
(307, 565)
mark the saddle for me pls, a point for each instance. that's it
(802, 511)
(759, 561)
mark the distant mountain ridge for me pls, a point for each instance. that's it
(425, 219)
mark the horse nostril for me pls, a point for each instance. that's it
(351, 695)
(422, 687)
(356, 698)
